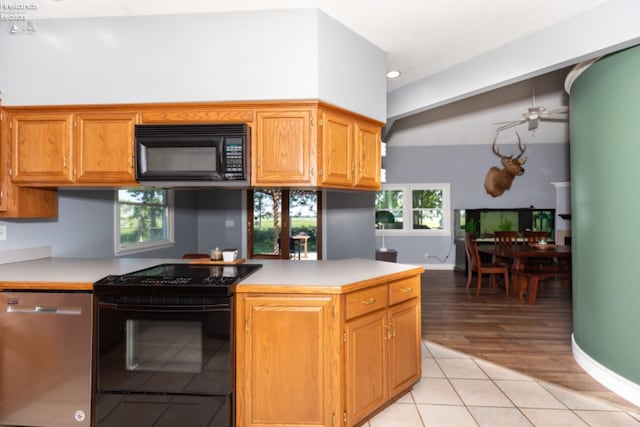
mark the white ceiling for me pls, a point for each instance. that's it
(421, 37)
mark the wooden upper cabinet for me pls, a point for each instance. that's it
(367, 153)
(349, 151)
(41, 146)
(17, 202)
(282, 148)
(336, 141)
(105, 148)
(294, 144)
(4, 174)
(57, 149)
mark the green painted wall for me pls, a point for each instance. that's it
(605, 149)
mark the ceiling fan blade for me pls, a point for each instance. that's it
(555, 117)
(561, 109)
(510, 124)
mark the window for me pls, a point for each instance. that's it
(420, 209)
(144, 220)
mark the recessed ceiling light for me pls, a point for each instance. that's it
(393, 74)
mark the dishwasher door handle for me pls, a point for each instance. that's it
(40, 309)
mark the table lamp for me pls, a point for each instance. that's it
(382, 218)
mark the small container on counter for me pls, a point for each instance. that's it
(229, 255)
(216, 254)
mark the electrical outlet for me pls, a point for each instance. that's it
(3, 232)
(426, 255)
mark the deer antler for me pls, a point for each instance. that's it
(496, 151)
(522, 150)
(520, 147)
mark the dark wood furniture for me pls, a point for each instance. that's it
(195, 256)
(526, 275)
(487, 221)
(505, 238)
(390, 255)
(476, 264)
(532, 237)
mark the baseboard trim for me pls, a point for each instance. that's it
(621, 386)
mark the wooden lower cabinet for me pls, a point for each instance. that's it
(366, 367)
(405, 352)
(325, 359)
(383, 354)
(286, 360)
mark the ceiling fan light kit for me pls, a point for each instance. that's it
(534, 114)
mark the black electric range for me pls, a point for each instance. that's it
(176, 279)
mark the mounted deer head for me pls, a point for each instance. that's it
(499, 180)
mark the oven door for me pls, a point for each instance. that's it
(164, 363)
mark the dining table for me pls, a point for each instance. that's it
(521, 257)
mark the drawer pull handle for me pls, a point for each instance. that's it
(369, 301)
(406, 290)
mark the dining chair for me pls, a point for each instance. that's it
(530, 237)
(476, 264)
(504, 239)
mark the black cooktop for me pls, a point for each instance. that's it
(171, 278)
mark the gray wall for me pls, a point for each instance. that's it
(464, 168)
(215, 207)
(350, 223)
(85, 227)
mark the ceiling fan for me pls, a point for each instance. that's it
(534, 114)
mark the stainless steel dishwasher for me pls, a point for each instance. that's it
(45, 358)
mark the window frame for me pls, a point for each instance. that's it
(407, 210)
(131, 248)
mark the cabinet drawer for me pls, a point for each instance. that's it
(366, 301)
(404, 289)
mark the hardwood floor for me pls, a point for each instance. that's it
(532, 339)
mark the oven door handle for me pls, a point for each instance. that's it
(164, 309)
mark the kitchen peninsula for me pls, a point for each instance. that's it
(316, 343)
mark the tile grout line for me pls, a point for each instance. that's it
(540, 383)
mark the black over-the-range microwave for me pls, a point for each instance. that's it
(192, 154)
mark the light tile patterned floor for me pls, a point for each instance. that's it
(457, 390)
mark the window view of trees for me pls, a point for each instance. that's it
(142, 216)
(421, 208)
(390, 201)
(427, 209)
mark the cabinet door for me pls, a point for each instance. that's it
(282, 148)
(336, 142)
(104, 148)
(284, 355)
(366, 364)
(404, 346)
(4, 164)
(367, 152)
(41, 147)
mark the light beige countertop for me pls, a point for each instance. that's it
(334, 276)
